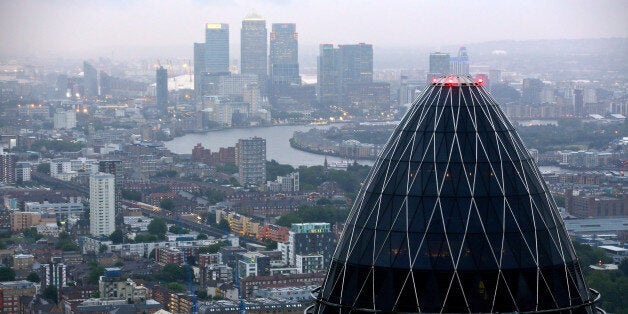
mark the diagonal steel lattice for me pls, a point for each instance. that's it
(454, 217)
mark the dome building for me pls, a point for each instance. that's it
(454, 217)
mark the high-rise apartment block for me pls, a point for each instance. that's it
(307, 240)
(254, 46)
(8, 163)
(284, 54)
(439, 65)
(161, 88)
(102, 204)
(251, 159)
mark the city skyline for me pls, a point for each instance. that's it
(104, 26)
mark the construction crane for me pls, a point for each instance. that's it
(188, 268)
(241, 304)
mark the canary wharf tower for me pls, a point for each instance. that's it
(454, 218)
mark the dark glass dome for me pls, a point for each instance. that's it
(454, 217)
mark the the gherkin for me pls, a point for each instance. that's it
(454, 217)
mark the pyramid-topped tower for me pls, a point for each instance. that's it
(454, 217)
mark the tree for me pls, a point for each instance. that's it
(623, 266)
(167, 204)
(145, 238)
(7, 274)
(224, 225)
(32, 233)
(211, 249)
(95, 271)
(103, 248)
(158, 227)
(132, 195)
(51, 293)
(175, 286)
(201, 236)
(117, 236)
(44, 168)
(33, 277)
(178, 230)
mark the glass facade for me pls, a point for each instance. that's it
(454, 217)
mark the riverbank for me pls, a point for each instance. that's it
(327, 152)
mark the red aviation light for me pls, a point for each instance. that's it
(450, 81)
(480, 81)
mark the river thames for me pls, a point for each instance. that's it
(277, 143)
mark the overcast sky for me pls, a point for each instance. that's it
(66, 26)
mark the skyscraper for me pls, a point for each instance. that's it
(284, 55)
(161, 88)
(454, 217)
(356, 64)
(216, 47)
(327, 88)
(101, 204)
(210, 57)
(460, 64)
(439, 65)
(254, 46)
(251, 159)
(343, 70)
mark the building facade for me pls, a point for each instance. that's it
(161, 88)
(254, 46)
(444, 224)
(251, 157)
(102, 204)
(284, 54)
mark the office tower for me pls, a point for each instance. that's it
(356, 64)
(251, 158)
(327, 89)
(460, 64)
(284, 54)
(345, 74)
(161, 88)
(90, 80)
(8, 162)
(102, 204)
(210, 58)
(439, 64)
(199, 69)
(254, 46)
(531, 91)
(454, 217)
(216, 47)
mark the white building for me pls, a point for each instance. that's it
(64, 119)
(289, 183)
(22, 171)
(102, 204)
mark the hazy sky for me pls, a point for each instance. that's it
(66, 26)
